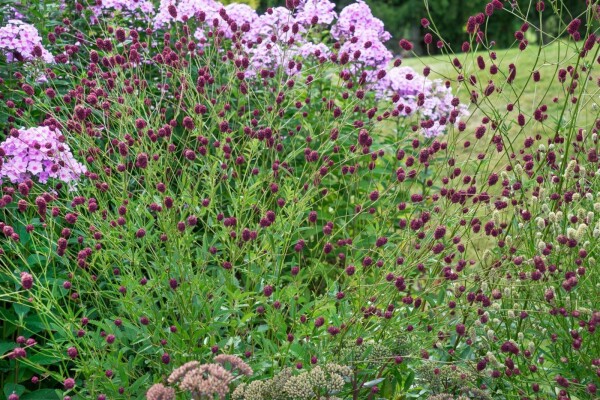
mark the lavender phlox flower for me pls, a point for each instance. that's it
(186, 9)
(143, 8)
(279, 22)
(323, 10)
(20, 41)
(370, 50)
(309, 49)
(356, 19)
(236, 12)
(408, 85)
(38, 152)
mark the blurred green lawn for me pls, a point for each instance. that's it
(547, 60)
(524, 92)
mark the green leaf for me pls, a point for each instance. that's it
(6, 346)
(35, 259)
(21, 310)
(44, 359)
(10, 388)
(409, 380)
(42, 394)
(373, 382)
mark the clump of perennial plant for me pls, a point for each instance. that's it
(265, 203)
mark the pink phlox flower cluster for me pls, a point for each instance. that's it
(186, 9)
(267, 55)
(21, 41)
(437, 98)
(142, 8)
(323, 10)
(38, 152)
(403, 81)
(357, 18)
(279, 22)
(309, 49)
(362, 37)
(370, 50)
(238, 13)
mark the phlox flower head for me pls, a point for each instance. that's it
(323, 10)
(20, 41)
(134, 8)
(38, 152)
(281, 25)
(273, 23)
(370, 50)
(357, 19)
(236, 12)
(409, 85)
(362, 37)
(185, 10)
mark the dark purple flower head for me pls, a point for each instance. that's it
(26, 280)
(268, 290)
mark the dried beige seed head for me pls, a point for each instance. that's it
(541, 246)
(541, 224)
(496, 217)
(581, 230)
(518, 170)
(570, 169)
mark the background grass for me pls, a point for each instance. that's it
(524, 93)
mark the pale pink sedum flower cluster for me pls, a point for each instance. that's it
(38, 152)
(160, 392)
(203, 381)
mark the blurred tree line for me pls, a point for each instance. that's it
(402, 19)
